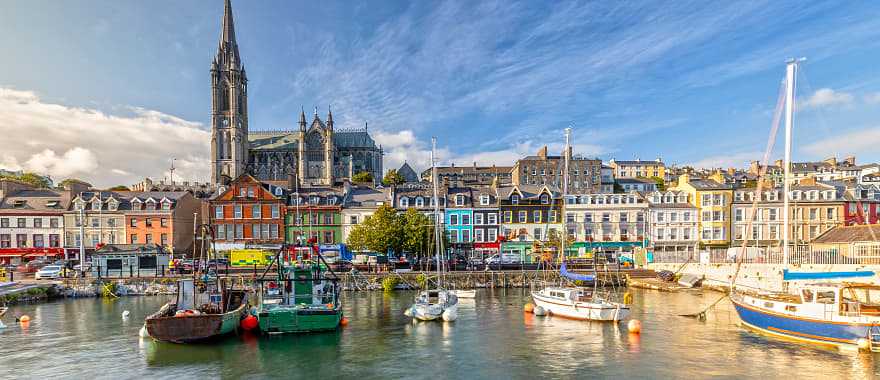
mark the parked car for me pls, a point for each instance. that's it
(31, 266)
(50, 272)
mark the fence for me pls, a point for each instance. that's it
(862, 254)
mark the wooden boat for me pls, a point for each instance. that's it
(183, 322)
(301, 299)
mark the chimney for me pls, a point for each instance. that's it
(291, 180)
(850, 160)
(475, 164)
(543, 152)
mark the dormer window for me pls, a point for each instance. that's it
(136, 204)
(53, 204)
(19, 203)
(151, 204)
(279, 191)
(112, 205)
(331, 200)
(514, 199)
(79, 205)
(297, 201)
(166, 204)
(404, 202)
(420, 202)
(96, 205)
(545, 199)
(459, 200)
(242, 192)
(484, 200)
(795, 195)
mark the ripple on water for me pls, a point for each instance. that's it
(492, 338)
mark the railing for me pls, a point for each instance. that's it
(862, 254)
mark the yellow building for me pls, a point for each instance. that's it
(713, 199)
(638, 168)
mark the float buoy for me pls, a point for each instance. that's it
(529, 307)
(125, 314)
(864, 344)
(249, 323)
(539, 311)
(24, 319)
(343, 322)
(634, 326)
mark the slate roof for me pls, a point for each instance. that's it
(850, 234)
(273, 140)
(358, 138)
(36, 201)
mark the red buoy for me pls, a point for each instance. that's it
(249, 323)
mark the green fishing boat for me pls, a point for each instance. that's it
(300, 298)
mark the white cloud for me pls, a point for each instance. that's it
(103, 149)
(862, 143)
(824, 97)
(733, 160)
(873, 98)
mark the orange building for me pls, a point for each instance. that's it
(248, 211)
(166, 218)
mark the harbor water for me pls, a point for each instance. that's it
(492, 339)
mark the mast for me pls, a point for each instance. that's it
(790, 75)
(564, 193)
(437, 236)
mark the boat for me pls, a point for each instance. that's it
(186, 320)
(817, 310)
(196, 316)
(462, 293)
(300, 298)
(574, 301)
(439, 303)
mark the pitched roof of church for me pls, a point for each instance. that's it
(270, 140)
(409, 175)
(357, 138)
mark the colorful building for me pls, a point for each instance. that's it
(638, 168)
(606, 222)
(248, 212)
(166, 218)
(314, 214)
(459, 220)
(713, 199)
(529, 215)
(673, 223)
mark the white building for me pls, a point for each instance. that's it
(673, 222)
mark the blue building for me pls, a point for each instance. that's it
(459, 220)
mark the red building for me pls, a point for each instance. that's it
(861, 212)
(248, 211)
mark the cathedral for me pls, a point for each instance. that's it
(314, 154)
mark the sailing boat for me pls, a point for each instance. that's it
(573, 301)
(436, 303)
(838, 314)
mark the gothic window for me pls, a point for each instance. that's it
(223, 96)
(221, 145)
(315, 146)
(228, 148)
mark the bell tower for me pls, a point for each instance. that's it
(229, 120)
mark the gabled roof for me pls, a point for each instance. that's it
(357, 138)
(43, 200)
(850, 234)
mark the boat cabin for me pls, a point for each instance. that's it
(570, 294)
(824, 300)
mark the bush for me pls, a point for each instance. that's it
(389, 283)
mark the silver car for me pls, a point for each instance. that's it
(48, 272)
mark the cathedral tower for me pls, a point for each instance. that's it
(229, 120)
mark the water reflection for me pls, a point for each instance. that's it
(493, 338)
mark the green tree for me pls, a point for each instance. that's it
(380, 232)
(418, 232)
(73, 180)
(363, 177)
(119, 188)
(32, 179)
(554, 240)
(392, 177)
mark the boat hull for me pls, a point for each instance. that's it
(582, 311)
(802, 329)
(299, 320)
(465, 293)
(431, 312)
(194, 328)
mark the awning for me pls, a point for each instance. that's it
(609, 244)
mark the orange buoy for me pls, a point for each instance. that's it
(529, 307)
(634, 326)
(24, 319)
(343, 321)
(249, 323)
(329, 305)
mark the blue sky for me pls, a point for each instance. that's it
(91, 85)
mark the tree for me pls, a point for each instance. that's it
(661, 184)
(362, 177)
(29, 178)
(554, 240)
(73, 180)
(379, 233)
(119, 188)
(392, 177)
(418, 232)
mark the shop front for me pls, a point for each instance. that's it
(18, 256)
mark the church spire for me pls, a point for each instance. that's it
(302, 119)
(329, 117)
(228, 46)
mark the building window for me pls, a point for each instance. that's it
(4, 222)
(163, 239)
(265, 232)
(465, 236)
(22, 222)
(459, 200)
(163, 222)
(536, 233)
(53, 222)
(552, 216)
(453, 219)
(54, 240)
(536, 216)
(545, 199)
(5, 240)
(606, 217)
(514, 199)
(328, 218)
(250, 192)
(404, 202)
(276, 212)
(218, 212)
(166, 206)
(478, 235)
(133, 222)
(220, 231)
(772, 214)
(588, 218)
(239, 231)
(420, 202)
(148, 222)
(478, 219)
(661, 232)
(522, 216)
(111, 222)
(353, 219)
(256, 212)
(328, 237)
(829, 213)
(237, 212)
(38, 222)
(255, 231)
(230, 232)
(738, 215)
(38, 241)
(242, 192)
(96, 222)
(466, 220)
(492, 218)
(813, 214)
(686, 216)
(149, 239)
(492, 235)
(273, 229)
(484, 200)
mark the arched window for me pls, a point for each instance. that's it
(420, 202)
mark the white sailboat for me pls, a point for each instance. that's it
(436, 303)
(826, 311)
(572, 301)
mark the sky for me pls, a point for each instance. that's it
(111, 91)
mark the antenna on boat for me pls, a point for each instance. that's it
(437, 237)
(565, 154)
